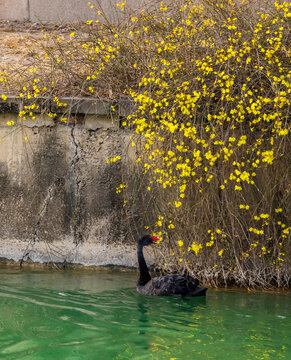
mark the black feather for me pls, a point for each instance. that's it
(168, 285)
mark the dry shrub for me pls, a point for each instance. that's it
(211, 81)
(213, 143)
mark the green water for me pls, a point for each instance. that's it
(98, 315)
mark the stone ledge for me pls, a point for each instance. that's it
(40, 121)
(75, 105)
(91, 113)
(85, 254)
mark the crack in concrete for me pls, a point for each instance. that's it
(41, 213)
(76, 185)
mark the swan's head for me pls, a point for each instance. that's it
(148, 240)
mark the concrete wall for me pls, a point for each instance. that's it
(58, 200)
(14, 10)
(66, 11)
(60, 10)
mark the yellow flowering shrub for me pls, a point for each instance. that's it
(213, 113)
(211, 81)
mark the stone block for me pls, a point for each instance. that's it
(93, 122)
(78, 105)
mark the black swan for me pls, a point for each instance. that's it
(171, 284)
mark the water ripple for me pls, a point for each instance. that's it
(58, 320)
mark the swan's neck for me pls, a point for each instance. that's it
(144, 271)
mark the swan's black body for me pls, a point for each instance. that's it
(168, 285)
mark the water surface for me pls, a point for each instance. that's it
(47, 315)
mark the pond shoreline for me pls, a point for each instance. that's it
(29, 265)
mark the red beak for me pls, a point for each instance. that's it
(155, 239)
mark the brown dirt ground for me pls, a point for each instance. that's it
(20, 41)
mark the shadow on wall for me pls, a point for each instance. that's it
(51, 190)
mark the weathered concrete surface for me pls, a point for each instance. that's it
(58, 200)
(68, 11)
(14, 10)
(61, 11)
(88, 254)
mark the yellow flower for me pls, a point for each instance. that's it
(268, 156)
(196, 247)
(242, 206)
(180, 243)
(114, 159)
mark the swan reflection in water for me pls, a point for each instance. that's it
(161, 317)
